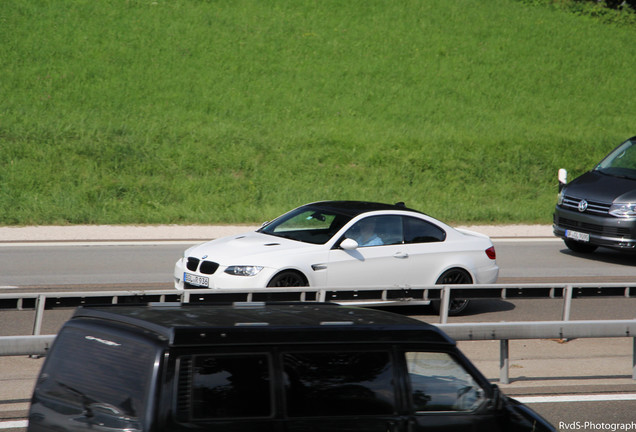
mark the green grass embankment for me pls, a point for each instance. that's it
(180, 111)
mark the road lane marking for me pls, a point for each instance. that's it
(576, 398)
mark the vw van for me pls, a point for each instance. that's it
(598, 208)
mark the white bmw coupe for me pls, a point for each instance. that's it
(343, 244)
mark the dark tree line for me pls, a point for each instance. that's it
(615, 4)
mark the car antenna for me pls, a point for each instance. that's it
(400, 204)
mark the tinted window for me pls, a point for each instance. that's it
(228, 385)
(421, 231)
(439, 383)
(376, 231)
(99, 373)
(344, 383)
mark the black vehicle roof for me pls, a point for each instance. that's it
(260, 323)
(354, 208)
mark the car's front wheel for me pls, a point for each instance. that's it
(454, 277)
(579, 247)
(288, 279)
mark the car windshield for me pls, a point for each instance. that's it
(621, 162)
(309, 224)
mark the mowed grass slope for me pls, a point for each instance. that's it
(180, 111)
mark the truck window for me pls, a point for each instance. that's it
(336, 384)
(227, 385)
(96, 373)
(439, 383)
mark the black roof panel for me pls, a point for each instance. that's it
(354, 208)
(258, 323)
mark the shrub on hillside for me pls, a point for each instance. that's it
(618, 4)
(620, 12)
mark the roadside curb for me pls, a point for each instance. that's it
(75, 233)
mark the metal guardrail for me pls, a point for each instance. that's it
(379, 295)
(26, 345)
(504, 332)
(31, 345)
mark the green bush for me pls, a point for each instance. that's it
(617, 12)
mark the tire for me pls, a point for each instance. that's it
(455, 276)
(579, 247)
(288, 279)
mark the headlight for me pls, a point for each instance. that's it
(560, 197)
(243, 270)
(623, 210)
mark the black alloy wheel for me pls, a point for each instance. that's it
(288, 279)
(454, 277)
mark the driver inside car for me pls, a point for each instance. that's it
(364, 232)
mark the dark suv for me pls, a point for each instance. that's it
(599, 207)
(263, 367)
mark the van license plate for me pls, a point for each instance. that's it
(196, 280)
(578, 236)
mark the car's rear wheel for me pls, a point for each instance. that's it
(288, 279)
(454, 277)
(579, 247)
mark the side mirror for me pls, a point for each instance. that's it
(349, 244)
(497, 400)
(563, 178)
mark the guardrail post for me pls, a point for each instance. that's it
(322, 295)
(504, 361)
(567, 302)
(40, 302)
(445, 295)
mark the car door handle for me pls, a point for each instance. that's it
(400, 255)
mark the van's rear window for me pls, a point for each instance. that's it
(99, 371)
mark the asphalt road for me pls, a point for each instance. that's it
(520, 260)
(548, 260)
(47, 266)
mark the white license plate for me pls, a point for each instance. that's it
(579, 236)
(196, 280)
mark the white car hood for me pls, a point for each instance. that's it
(250, 248)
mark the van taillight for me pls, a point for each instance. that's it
(491, 253)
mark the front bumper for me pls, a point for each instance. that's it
(220, 279)
(605, 231)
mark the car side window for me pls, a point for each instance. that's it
(421, 231)
(377, 231)
(439, 383)
(336, 384)
(225, 386)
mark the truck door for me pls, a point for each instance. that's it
(344, 390)
(443, 396)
